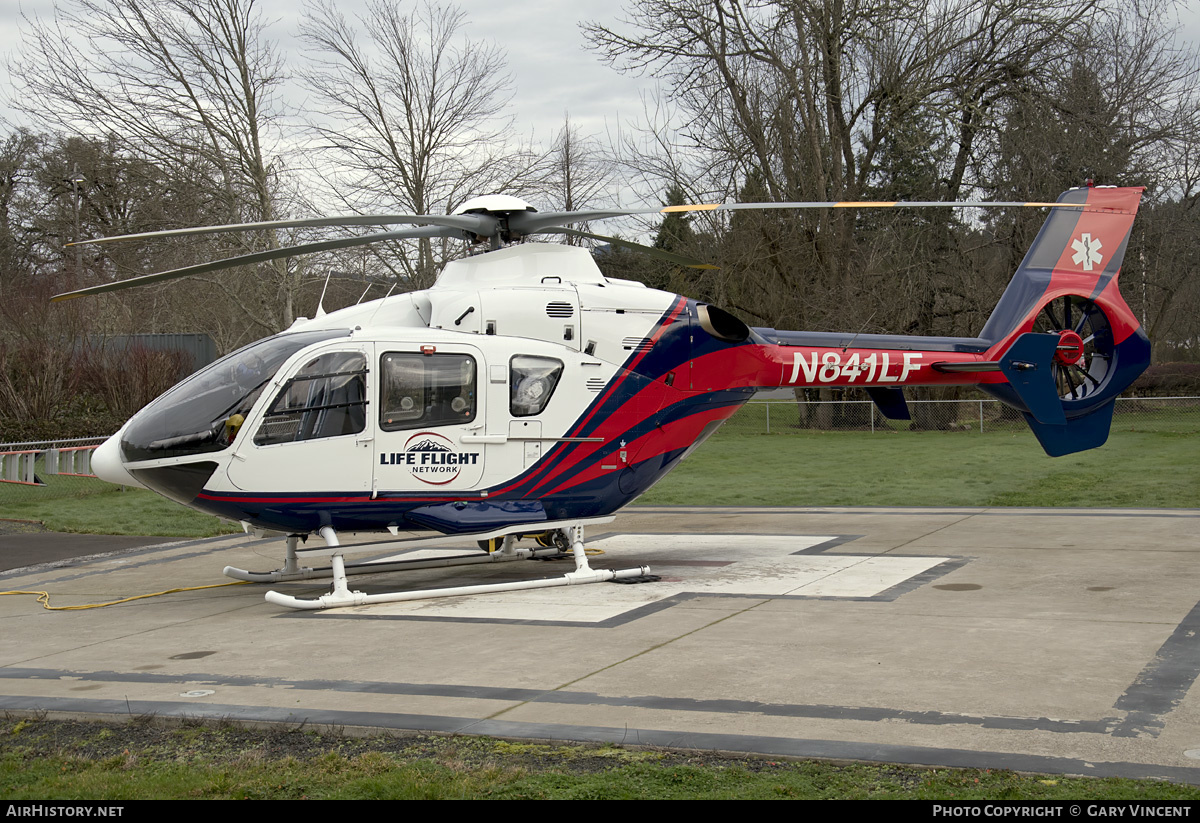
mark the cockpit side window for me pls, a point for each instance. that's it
(326, 398)
(203, 413)
(418, 390)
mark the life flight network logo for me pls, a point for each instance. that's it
(430, 458)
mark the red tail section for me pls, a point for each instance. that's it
(1066, 289)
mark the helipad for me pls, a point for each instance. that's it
(1043, 640)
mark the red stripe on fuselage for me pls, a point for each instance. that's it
(755, 366)
(640, 406)
(228, 498)
(673, 436)
(581, 451)
(631, 365)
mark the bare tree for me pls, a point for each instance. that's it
(18, 155)
(1123, 109)
(411, 115)
(579, 173)
(798, 100)
(580, 170)
(188, 85)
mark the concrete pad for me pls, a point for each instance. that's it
(773, 565)
(1064, 641)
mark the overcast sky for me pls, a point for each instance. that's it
(552, 69)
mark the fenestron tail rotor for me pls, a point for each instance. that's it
(1086, 348)
(496, 219)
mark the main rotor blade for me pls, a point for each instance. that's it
(662, 254)
(523, 223)
(262, 257)
(534, 222)
(867, 204)
(480, 224)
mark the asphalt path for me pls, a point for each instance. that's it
(27, 544)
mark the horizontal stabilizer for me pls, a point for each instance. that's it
(970, 366)
(1028, 366)
(890, 401)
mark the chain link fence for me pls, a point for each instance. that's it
(1180, 415)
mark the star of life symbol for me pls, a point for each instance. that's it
(1087, 251)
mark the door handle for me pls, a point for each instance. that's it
(483, 438)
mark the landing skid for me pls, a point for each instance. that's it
(291, 569)
(341, 595)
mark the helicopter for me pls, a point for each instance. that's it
(527, 395)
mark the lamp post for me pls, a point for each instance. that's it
(77, 179)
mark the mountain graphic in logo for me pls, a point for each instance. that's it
(429, 445)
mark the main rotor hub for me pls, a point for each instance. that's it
(1070, 348)
(494, 204)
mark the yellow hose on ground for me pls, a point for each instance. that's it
(44, 597)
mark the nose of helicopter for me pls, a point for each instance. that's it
(107, 465)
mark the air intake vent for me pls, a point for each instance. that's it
(595, 383)
(637, 343)
(557, 308)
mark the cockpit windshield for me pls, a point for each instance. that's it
(203, 413)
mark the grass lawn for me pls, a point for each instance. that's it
(133, 511)
(144, 759)
(1153, 467)
(1159, 469)
(88, 506)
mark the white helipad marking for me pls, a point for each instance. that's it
(709, 564)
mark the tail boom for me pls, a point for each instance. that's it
(1060, 346)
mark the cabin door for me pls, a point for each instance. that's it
(430, 417)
